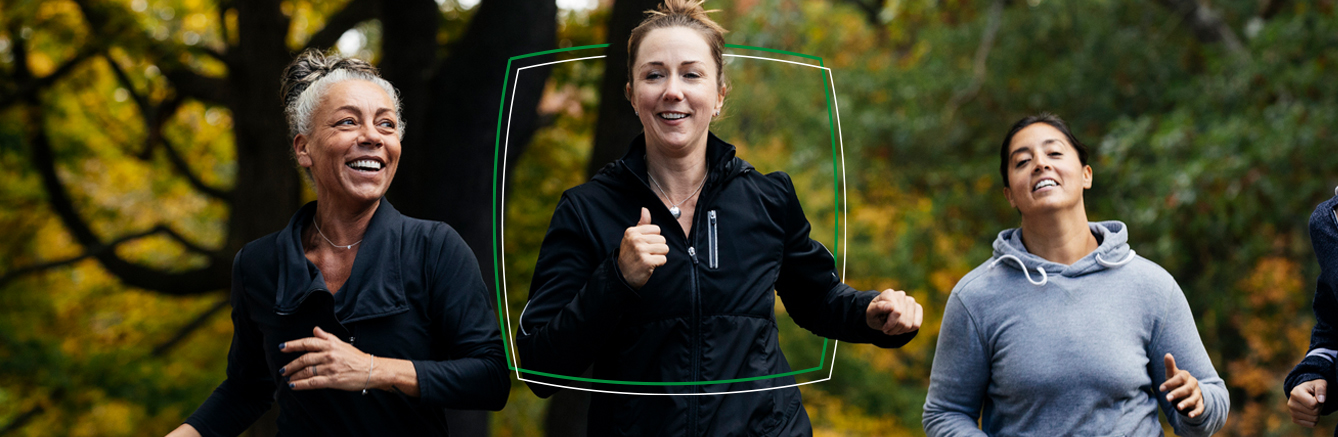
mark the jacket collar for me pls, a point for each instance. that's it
(374, 287)
(720, 160)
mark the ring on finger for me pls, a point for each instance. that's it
(313, 370)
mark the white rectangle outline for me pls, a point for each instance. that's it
(836, 107)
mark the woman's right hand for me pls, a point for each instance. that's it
(642, 250)
(1306, 402)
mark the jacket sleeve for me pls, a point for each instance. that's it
(959, 377)
(249, 389)
(1177, 335)
(577, 295)
(813, 294)
(469, 366)
(1319, 361)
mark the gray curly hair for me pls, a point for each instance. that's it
(307, 78)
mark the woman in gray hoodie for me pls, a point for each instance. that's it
(1065, 331)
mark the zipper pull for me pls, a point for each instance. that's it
(692, 253)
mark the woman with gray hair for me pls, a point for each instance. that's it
(356, 319)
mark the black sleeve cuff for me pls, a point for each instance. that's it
(1310, 369)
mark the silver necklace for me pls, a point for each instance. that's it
(673, 210)
(327, 239)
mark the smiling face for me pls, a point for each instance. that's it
(352, 150)
(675, 89)
(1045, 174)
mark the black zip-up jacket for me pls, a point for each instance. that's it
(1319, 362)
(415, 293)
(708, 314)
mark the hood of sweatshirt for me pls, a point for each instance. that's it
(1112, 252)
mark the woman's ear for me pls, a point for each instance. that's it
(1008, 194)
(720, 98)
(1087, 176)
(627, 93)
(300, 151)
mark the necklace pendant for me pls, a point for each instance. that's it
(673, 210)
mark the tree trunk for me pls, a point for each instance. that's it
(451, 115)
(268, 187)
(617, 124)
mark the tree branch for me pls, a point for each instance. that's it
(1269, 8)
(140, 101)
(1207, 24)
(356, 11)
(107, 20)
(209, 51)
(197, 86)
(873, 10)
(154, 118)
(91, 252)
(26, 86)
(223, 6)
(23, 419)
(186, 330)
(180, 164)
(211, 277)
(979, 66)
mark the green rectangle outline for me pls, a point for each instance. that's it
(496, 254)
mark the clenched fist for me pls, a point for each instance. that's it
(894, 312)
(642, 250)
(1307, 401)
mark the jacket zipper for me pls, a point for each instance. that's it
(693, 401)
(713, 258)
(693, 405)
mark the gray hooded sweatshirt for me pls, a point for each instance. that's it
(1067, 350)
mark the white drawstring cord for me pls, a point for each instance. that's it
(1118, 263)
(521, 322)
(1044, 277)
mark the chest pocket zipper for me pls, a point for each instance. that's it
(713, 259)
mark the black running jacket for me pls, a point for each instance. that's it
(708, 314)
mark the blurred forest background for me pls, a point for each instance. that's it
(142, 143)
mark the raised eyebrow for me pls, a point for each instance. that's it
(661, 64)
(382, 111)
(350, 108)
(1017, 151)
(1049, 141)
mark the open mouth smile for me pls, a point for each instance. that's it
(369, 165)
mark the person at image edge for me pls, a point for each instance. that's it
(1307, 385)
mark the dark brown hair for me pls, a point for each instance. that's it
(680, 13)
(1044, 117)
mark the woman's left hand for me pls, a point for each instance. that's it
(327, 363)
(1183, 388)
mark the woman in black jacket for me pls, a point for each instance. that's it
(661, 268)
(1307, 385)
(355, 319)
